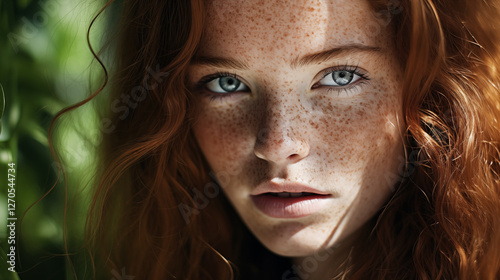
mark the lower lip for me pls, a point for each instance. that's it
(289, 207)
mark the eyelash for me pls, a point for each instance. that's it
(200, 86)
(349, 68)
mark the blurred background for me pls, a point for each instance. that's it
(46, 65)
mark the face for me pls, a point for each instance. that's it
(299, 116)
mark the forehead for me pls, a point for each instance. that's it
(256, 28)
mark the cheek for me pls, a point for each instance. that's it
(223, 133)
(358, 131)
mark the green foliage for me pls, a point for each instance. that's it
(5, 274)
(44, 64)
(2, 105)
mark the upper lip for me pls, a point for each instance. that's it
(291, 187)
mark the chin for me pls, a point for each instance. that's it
(302, 243)
(295, 249)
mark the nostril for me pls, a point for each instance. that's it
(293, 157)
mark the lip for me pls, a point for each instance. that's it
(270, 187)
(289, 207)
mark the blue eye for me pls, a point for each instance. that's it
(226, 84)
(340, 78)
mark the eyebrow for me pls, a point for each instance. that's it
(314, 58)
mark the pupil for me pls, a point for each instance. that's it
(229, 84)
(342, 78)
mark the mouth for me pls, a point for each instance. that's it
(290, 204)
(291, 194)
(286, 189)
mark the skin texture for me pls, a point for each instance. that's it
(285, 127)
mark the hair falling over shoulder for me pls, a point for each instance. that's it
(443, 221)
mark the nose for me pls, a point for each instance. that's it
(279, 139)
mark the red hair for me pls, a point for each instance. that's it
(443, 221)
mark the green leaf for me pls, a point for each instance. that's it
(2, 104)
(4, 272)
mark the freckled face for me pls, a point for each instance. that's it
(272, 112)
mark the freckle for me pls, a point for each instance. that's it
(361, 113)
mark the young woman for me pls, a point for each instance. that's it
(301, 140)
